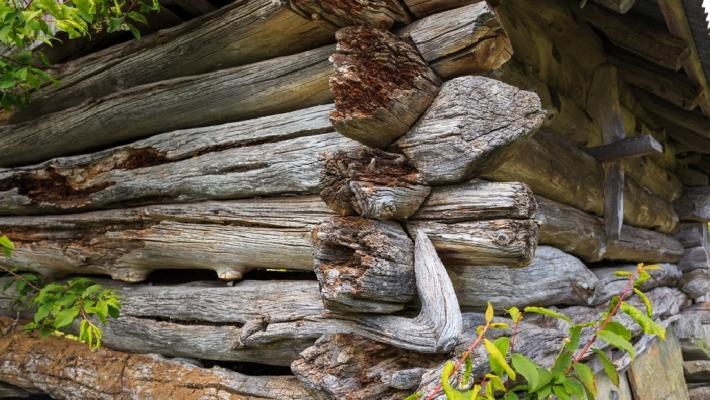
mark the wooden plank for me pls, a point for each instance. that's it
(381, 85)
(657, 374)
(464, 129)
(423, 8)
(694, 204)
(629, 147)
(231, 94)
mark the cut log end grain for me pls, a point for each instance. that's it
(371, 183)
(374, 13)
(381, 85)
(471, 120)
(363, 265)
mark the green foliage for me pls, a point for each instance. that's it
(58, 305)
(514, 376)
(24, 24)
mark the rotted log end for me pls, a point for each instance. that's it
(342, 13)
(371, 183)
(381, 85)
(363, 265)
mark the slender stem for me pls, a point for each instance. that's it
(19, 277)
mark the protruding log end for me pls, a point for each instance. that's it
(694, 204)
(381, 85)
(471, 120)
(371, 183)
(363, 265)
(341, 13)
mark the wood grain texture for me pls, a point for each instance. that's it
(611, 285)
(371, 183)
(561, 172)
(693, 234)
(381, 85)
(423, 8)
(466, 40)
(230, 238)
(695, 258)
(693, 331)
(695, 283)
(464, 128)
(694, 204)
(629, 147)
(271, 155)
(231, 94)
(40, 364)
(377, 13)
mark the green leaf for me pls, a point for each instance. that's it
(42, 312)
(586, 376)
(449, 390)
(511, 396)
(562, 363)
(617, 341)
(574, 388)
(515, 314)
(609, 368)
(489, 313)
(575, 331)
(467, 372)
(527, 368)
(66, 317)
(496, 382)
(648, 326)
(560, 392)
(495, 354)
(646, 302)
(5, 242)
(548, 312)
(503, 344)
(623, 273)
(91, 290)
(414, 396)
(619, 329)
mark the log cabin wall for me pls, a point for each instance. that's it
(270, 187)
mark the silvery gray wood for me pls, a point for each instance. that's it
(694, 204)
(695, 258)
(693, 331)
(277, 85)
(229, 237)
(611, 285)
(371, 183)
(692, 234)
(697, 371)
(696, 283)
(381, 85)
(464, 128)
(266, 156)
(422, 8)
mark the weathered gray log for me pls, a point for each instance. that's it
(698, 392)
(691, 121)
(507, 242)
(564, 173)
(611, 285)
(422, 8)
(630, 147)
(639, 35)
(462, 41)
(693, 234)
(32, 363)
(363, 265)
(234, 35)
(381, 85)
(127, 244)
(238, 93)
(693, 331)
(695, 258)
(620, 6)
(271, 155)
(477, 200)
(436, 328)
(582, 234)
(371, 183)
(464, 129)
(553, 277)
(697, 371)
(695, 283)
(694, 204)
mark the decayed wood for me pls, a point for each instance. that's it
(437, 327)
(693, 331)
(238, 93)
(462, 41)
(422, 8)
(611, 285)
(271, 155)
(696, 283)
(477, 200)
(363, 265)
(620, 6)
(465, 127)
(583, 235)
(630, 147)
(41, 364)
(695, 258)
(639, 35)
(564, 173)
(381, 85)
(230, 237)
(694, 204)
(507, 242)
(693, 234)
(371, 183)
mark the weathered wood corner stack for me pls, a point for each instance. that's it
(402, 151)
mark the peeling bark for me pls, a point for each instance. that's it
(381, 86)
(371, 183)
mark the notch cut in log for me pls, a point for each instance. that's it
(423, 8)
(464, 129)
(40, 364)
(620, 6)
(227, 95)
(381, 85)
(463, 41)
(230, 237)
(267, 156)
(629, 147)
(639, 35)
(371, 183)
(694, 204)
(436, 328)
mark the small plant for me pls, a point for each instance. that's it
(514, 376)
(58, 305)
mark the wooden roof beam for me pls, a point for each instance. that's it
(629, 147)
(694, 122)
